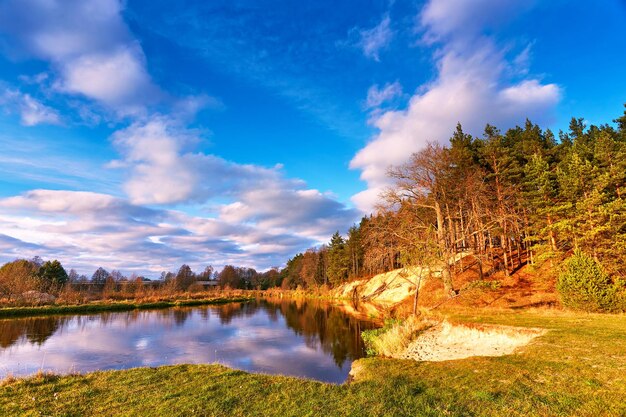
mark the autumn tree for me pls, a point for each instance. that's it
(421, 182)
(309, 270)
(228, 277)
(73, 276)
(207, 274)
(184, 278)
(17, 277)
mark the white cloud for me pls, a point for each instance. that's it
(90, 47)
(461, 21)
(68, 202)
(281, 209)
(116, 78)
(373, 40)
(32, 111)
(85, 230)
(158, 172)
(471, 88)
(530, 93)
(162, 170)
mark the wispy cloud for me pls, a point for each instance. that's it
(24, 162)
(31, 111)
(283, 55)
(377, 96)
(372, 41)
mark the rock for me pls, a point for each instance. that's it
(38, 298)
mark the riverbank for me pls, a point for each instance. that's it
(576, 369)
(102, 306)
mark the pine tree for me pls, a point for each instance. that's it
(503, 177)
(52, 276)
(338, 260)
(540, 192)
(621, 125)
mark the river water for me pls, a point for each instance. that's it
(306, 338)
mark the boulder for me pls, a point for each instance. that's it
(38, 298)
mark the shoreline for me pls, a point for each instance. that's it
(100, 307)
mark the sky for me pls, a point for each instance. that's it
(139, 135)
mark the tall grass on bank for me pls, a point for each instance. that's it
(393, 338)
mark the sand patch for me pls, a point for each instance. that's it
(446, 341)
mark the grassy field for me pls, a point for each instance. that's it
(576, 369)
(100, 306)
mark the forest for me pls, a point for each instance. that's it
(525, 196)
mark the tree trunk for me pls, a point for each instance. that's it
(441, 240)
(463, 237)
(481, 274)
(505, 256)
(551, 233)
(417, 291)
(490, 243)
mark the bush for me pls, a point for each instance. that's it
(585, 286)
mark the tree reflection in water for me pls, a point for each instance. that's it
(302, 337)
(35, 330)
(337, 333)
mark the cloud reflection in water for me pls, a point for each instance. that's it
(304, 338)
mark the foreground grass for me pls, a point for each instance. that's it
(96, 307)
(577, 369)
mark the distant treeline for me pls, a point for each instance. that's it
(522, 196)
(23, 275)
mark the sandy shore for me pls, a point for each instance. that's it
(446, 341)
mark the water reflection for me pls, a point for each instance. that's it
(302, 338)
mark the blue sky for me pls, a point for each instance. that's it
(139, 135)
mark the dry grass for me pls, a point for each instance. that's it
(8, 380)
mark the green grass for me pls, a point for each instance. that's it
(576, 369)
(97, 307)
